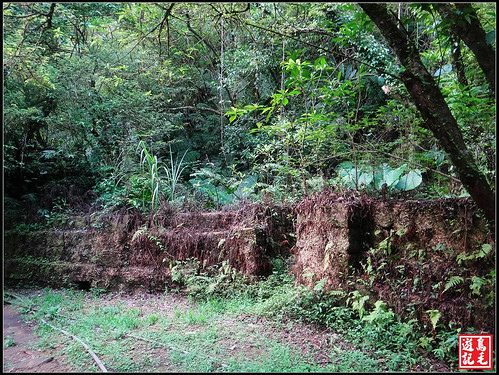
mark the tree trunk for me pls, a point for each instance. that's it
(465, 24)
(457, 62)
(433, 108)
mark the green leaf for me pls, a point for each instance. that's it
(486, 248)
(453, 282)
(345, 165)
(434, 317)
(320, 285)
(365, 179)
(409, 181)
(476, 284)
(391, 176)
(490, 37)
(320, 62)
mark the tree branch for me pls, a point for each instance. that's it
(87, 348)
(140, 40)
(379, 70)
(220, 113)
(94, 356)
(464, 22)
(167, 21)
(434, 110)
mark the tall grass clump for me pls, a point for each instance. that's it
(150, 163)
(173, 172)
(155, 181)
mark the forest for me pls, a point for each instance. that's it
(246, 178)
(136, 104)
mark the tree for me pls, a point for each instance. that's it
(431, 104)
(465, 24)
(84, 83)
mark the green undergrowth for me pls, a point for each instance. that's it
(229, 323)
(399, 344)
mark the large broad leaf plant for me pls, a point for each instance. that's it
(401, 178)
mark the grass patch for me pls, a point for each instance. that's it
(8, 342)
(230, 326)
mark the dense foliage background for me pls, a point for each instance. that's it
(112, 105)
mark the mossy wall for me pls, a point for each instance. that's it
(414, 255)
(130, 251)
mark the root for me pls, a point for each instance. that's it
(94, 356)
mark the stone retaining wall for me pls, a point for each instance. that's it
(129, 251)
(407, 253)
(414, 255)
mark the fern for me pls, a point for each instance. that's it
(476, 284)
(476, 255)
(143, 231)
(381, 314)
(434, 317)
(319, 287)
(337, 293)
(139, 232)
(453, 282)
(156, 240)
(357, 301)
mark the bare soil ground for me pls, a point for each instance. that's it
(22, 356)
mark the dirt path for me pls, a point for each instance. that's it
(22, 356)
